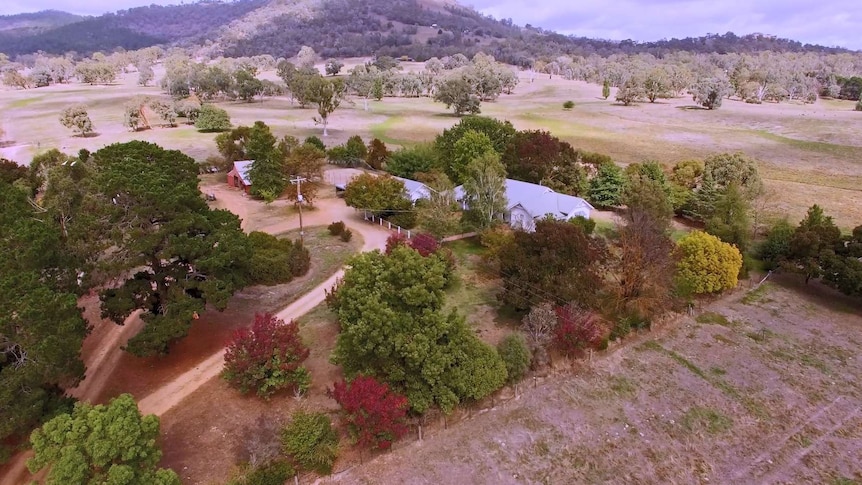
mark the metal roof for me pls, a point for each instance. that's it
(537, 199)
(241, 168)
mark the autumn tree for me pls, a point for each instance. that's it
(375, 415)
(706, 264)
(557, 262)
(174, 255)
(578, 329)
(485, 189)
(76, 119)
(267, 357)
(305, 161)
(541, 158)
(383, 196)
(538, 325)
(101, 444)
(378, 154)
(393, 326)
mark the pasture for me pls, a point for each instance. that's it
(809, 153)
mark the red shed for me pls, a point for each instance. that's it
(238, 176)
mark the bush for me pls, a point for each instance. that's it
(394, 240)
(516, 356)
(275, 473)
(266, 357)
(275, 261)
(347, 235)
(336, 228)
(776, 247)
(578, 329)
(211, 119)
(311, 442)
(375, 415)
(315, 141)
(300, 260)
(859, 104)
(425, 244)
(706, 264)
(588, 225)
(568, 105)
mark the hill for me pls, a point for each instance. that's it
(339, 28)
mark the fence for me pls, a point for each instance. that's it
(369, 217)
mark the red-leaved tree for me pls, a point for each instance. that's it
(375, 415)
(267, 357)
(578, 329)
(425, 244)
(394, 240)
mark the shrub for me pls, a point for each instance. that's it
(578, 329)
(375, 415)
(311, 442)
(394, 240)
(516, 356)
(275, 473)
(211, 119)
(275, 260)
(588, 225)
(346, 235)
(425, 244)
(706, 264)
(568, 105)
(315, 141)
(336, 228)
(859, 104)
(300, 260)
(266, 357)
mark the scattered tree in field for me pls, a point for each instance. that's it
(557, 262)
(631, 91)
(145, 75)
(327, 96)
(606, 188)
(709, 92)
(458, 94)
(430, 356)
(706, 264)
(375, 415)
(333, 67)
(246, 86)
(485, 189)
(568, 105)
(77, 119)
(815, 234)
(15, 79)
(656, 84)
(377, 155)
(859, 103)
(310, 442)
(578, 329)
(165, 110)
(267, 357)
(516, 356)
(188, 108)
(134, 117)
(161, 231)
(212, 119)
(306, 57)
(606, 89)
(101, 444)
(539, 325)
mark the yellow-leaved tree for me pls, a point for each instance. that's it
(706, 264)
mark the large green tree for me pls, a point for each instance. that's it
(326, 95)
(815, 235)
(41, 328)
(390, 309)
(485, 189)
(185, 256)
(499, 132)
(101, 444)
(471, 146)
(606, 188)
(267, 169)
(382, 196)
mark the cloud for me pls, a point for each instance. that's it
(837, 22)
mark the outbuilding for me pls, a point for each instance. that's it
(238, 176)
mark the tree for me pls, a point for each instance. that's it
(101, 444)
(306, 57)
(409, 162)
(390, 309)
(516, 356)
(327, 95)
(709, 92)
(176, 255)
(816, 234)
(42, 329)
(134, 117)
(485, 189)
(606, 188)
(499, 132)
(382, 196)
(311, 442)
(457, 93)
(378, 154)
(471, 146)
(606, 89)
(333, 67)
(76, 118)
(631, 91)
(439, 214)
(211, 118)
(145, 74)
(859, 103)
(267, 357)
(729, 220)
(305, 161)
(706, 264)
(165, 110)
(578, 329)
(375, 415)
(647, 191)
(720, 172)
(557, 262)
(539, 325)
(246, 85)
(10, 171)
(276, 260)
(776, 248)
(656, 85)
(266, 173)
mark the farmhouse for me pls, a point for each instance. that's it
(238, 176)
(527, 203)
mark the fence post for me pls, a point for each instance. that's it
(399, 230)
(389, 224)
(408, 234)
(381, 220)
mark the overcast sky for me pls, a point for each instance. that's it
(830, 22)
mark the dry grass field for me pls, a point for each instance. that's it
(809, 153)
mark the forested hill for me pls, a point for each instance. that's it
(340, 28)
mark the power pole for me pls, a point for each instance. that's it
(298, 181)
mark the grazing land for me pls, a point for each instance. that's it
(808, 153)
